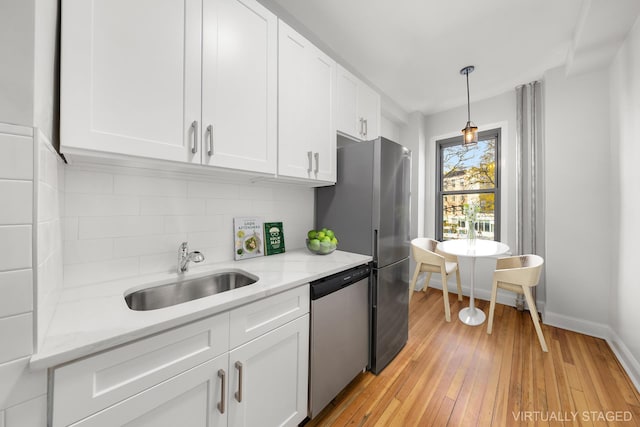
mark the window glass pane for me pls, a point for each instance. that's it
(469, 168)
(454, 225)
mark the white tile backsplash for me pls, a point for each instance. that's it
(192, 223)
(149, 186)
(171, 210)
(82, 204)
(15, 250)
(80, 181)
(147, 245)
(172, 206)
(19, 383)
(88, 250)
(16, 292)
(119, 226)
(32, 413)
(17, 202)
(16, 161)
(17, 336)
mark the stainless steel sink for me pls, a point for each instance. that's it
(187, 290)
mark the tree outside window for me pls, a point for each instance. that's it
(468, 175)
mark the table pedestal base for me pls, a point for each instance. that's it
(472, 316)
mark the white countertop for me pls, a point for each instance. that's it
(93, 318)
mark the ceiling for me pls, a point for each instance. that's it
(412, 50)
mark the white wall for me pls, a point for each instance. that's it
(624, 316)
(492, 113)
(389, 129)
(578, 203)
(120, 224)
(16, 50)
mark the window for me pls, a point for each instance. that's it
(468, 175)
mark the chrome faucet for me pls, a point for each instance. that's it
(184, 257)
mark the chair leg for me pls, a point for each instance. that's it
(458, 283)
(492, 306)
(445, 295)
(534, 316)
(412, 285)
(426, 282)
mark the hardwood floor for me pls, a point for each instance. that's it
(451, 374)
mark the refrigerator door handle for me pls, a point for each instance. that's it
(375, 246)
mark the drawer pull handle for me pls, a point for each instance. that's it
(223, 377)
(238, 394)
(310, 156)
(317, 157)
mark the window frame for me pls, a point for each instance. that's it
(440, 192)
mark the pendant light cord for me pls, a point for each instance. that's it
(468, 99)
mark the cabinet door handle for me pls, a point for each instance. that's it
(310, 156)
(223, 398)
(238, 394)
(361, 126)
(366, 127)
(210, 134)
(317, 157)
(194, 128)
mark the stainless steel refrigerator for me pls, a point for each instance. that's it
(369, 210)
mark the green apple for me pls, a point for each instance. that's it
(312, 234)
(334, 241)
(320, 235)
(325, 247)
(314, 244)
(325, 239)
(330, 233)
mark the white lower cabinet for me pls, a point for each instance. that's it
(190, 399)
(246, 367)
(269, 378)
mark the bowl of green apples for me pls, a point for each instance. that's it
(322, 242)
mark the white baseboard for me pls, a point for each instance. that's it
(574, 324)
(629, 363)
(626, 359)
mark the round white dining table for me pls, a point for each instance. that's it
(478, 249)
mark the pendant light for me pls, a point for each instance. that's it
(470, 131)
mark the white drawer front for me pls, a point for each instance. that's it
(89, 385)
(252, 320)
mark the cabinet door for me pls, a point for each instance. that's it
(273, 370)
(130, 78)
(369, 110)
(306, 86)
(347, 119)
(191, 399)
(239, 100)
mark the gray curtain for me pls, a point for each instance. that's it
(530, 176)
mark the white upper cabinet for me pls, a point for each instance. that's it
(130, 79)
(184, 80)
(239, 79)
(307, 133)
(357, 107)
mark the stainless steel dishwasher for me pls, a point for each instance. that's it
(339, 336)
